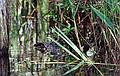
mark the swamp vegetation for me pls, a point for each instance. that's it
(59, 38)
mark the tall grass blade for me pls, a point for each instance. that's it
(106, 20)
(74, 68)
(114, 38)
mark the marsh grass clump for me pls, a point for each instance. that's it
(65, 37)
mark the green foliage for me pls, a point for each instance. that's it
(106, 20)
(68, 29)
(69, 58)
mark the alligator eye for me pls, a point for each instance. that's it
(40, 47)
